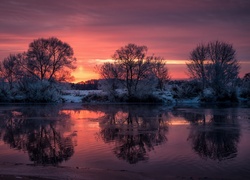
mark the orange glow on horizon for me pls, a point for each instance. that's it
(89, 53)
(84, 72)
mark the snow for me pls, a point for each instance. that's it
(75, 96)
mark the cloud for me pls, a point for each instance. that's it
(96, 28)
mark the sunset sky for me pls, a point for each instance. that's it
(96, 28)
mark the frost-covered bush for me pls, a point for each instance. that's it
(5, 95)
(146, 87)
(95, 97)
(38, 91)
(186, 89)
(245, 90)
(116, 90)
(144, 92)
(147, 98)
(209, 95)
(109, 86)
(229, 95)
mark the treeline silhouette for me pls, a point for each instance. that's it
(85, 85)
(40, 73)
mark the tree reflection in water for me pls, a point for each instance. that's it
(41, 131)
(135, 130)
(214, 133)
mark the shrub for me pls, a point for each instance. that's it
(4, 95)
(186, 89)
(147, 98)
(225, 96)
(208, 95)
(92, 97)
(38, 91)
(245, 88)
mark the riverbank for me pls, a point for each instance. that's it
(23, 171)
(30, 172)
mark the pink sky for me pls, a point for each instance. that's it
(96, 28)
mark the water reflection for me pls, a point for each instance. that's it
(214, 134)
(41, 131)
(135, 130)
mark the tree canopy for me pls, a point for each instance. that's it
(215, 65)
(29, 75)
(48, 58)
(133, 70)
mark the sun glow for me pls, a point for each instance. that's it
(181, 62)
(85, 72)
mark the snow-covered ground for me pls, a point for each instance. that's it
(75, 96)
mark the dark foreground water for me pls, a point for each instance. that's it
(202, 142)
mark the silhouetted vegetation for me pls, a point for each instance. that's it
(87, 85)
(186, 89)
(245, 90)
(133, 71)
(38, 75)
(32, 76)
(216, 67)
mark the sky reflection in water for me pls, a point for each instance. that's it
(140, 138)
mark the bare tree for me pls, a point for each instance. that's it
(223, 68)
(110, 74)
(159, 70)
(50, 59)
(196, 66)
(133, 65)
(246, 77)
(108, 71)
(215, 65)
(134, 71)
(11, 70)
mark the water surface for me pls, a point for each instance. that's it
(155, 140)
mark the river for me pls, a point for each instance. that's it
(183, 141)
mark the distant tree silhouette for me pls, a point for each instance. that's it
(86, 85)
(215, 65)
